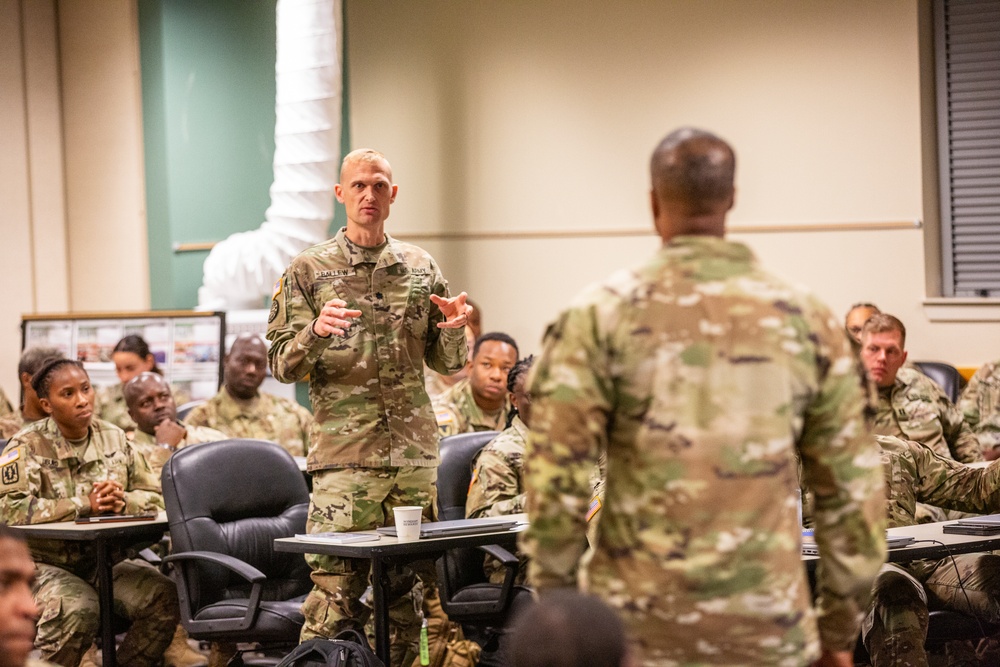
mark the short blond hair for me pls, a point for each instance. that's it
(369, 155)
(884, 323)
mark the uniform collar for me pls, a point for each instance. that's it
(355, 255)
(64, 449)
(231, 409)
(714, 245)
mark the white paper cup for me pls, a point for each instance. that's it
(407, 522)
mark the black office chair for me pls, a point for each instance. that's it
(184, 410)
(467, 596)
(226, 504)
(946, 376)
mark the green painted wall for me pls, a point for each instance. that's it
(208, 121)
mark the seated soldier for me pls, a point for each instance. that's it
(131, 356)
(855, 320)
(31, 360)
(980, 406)
(479, 402)
(911, 405)
(71, 465)
(158, 433)
(241, 411)
(896, 627)
(497, 486)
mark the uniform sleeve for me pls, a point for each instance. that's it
(571, 405)
(446, 350)
(968, 402)
(199, 416)
(945, 483)
(842, 466)
(21, 499)
(495, 489)
(143, 492)
(962, 441)
(295, 348)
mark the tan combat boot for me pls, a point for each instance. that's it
(180, 653)
(221, 654)
(91, 658)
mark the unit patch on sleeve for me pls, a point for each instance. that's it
(12, 477)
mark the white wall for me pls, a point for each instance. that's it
(519, 117)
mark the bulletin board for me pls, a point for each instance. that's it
(189, 346)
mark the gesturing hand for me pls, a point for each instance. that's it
(455, 310)
(334, 318)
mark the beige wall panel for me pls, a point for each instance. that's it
(520, 116)
(102, 125)
(48, 201)
(15, 229)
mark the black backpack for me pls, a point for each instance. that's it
(347, 649)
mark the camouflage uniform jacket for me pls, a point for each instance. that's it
(156, 455)
(6, 408)
(45, 479)
(702, 376)
(109, 406)
(264, 417)
(11, 424)
(915, 408)
(980, 405)
(456, 412)
(367, 387)
(496, 488)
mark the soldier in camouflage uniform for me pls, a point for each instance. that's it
(980, 407)
(31, 360)
(479, 402)
(702, 376)
(360, 314)
(240, 410)
(70, 465)
(911, 405)
(158, 433)
(896, 627)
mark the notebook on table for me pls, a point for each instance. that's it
(457, 527)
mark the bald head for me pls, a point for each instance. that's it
(150, 401)
(692, 173)
(246, 366)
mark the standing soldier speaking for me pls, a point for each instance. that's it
(705, 379)
(360, 314)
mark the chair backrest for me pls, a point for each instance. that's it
(455, 471)
(947, 377)
(236, 497)
(184, 410)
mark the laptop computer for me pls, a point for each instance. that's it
(457, 527)
(891, 541)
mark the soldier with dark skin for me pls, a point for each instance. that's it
(70, 465)
(705, 380)
(18, 611)
(360, 315)
(480, 402)
(241, 410)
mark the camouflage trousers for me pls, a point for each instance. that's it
(69, 617)
(896, 626)
(362, 499)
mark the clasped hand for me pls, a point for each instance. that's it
(108, 497)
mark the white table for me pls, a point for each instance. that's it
(103, 535)
(387, 551)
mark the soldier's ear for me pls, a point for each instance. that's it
(46, 405)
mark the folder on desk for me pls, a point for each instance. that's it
(458, 527)
(980, 525)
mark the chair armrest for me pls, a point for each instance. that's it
(511, 565)
(245, 570)
(178, 564)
